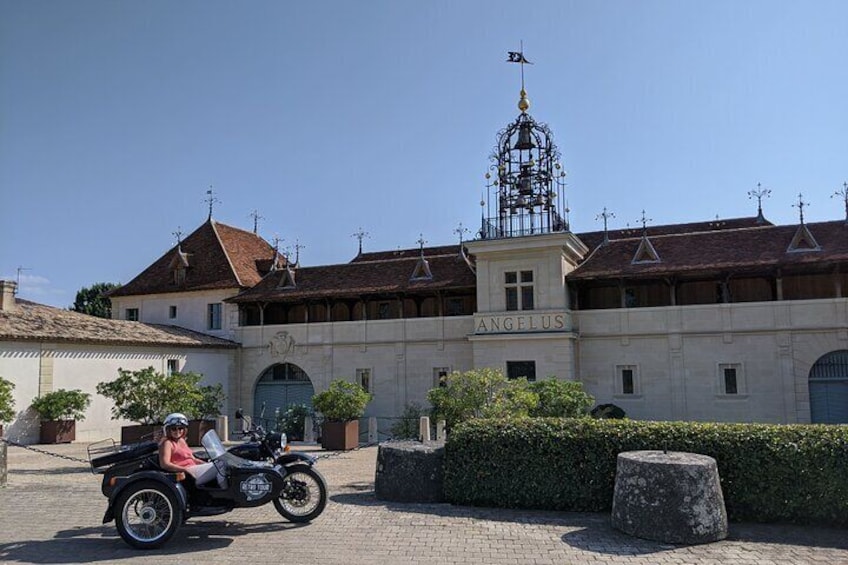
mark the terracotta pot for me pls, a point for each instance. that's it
(58, 431)
(340, 435)
(196, 429)
(139, 432)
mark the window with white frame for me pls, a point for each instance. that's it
(173, 366)
(363, 377)
(439, 376)
(519, 290)
(131, 314)
(627, 377)
(214, 316)
(730, 379)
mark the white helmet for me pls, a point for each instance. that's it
(173, 420)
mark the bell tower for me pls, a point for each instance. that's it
(523, 252)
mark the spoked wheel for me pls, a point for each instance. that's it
(304, 496)
(147, 514)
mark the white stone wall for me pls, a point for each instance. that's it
(33, 367)
(192, 308)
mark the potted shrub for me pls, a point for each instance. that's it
(7, 403)
(204, 413)
(342, 404)
(292, 421)
(146, 397)
(59, 412)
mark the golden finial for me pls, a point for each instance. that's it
(523, 103)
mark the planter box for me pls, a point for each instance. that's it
(140, 432)
(340, 435)
(58, 431)
(196, 429)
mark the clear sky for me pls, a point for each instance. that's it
(117, 116)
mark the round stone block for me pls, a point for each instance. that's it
(410, 471)
(670, 497)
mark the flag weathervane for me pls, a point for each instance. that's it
(518, 57)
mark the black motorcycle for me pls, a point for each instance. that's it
(149, 504)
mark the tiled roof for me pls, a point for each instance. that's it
(372, 273)
(753, 248)
(36, 322)
(595, 238)
(219, 256)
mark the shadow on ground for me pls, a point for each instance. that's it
(591, 531)
(102, 543)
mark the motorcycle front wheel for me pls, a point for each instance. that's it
(147, 514)
(304, 495)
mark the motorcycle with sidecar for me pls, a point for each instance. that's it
(149, 504)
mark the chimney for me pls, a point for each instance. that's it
(7, 296)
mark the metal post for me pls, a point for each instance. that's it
(222, 425)
(308, 431)
(440, 430)
(3, 454)
(372, 429)
(424, 428)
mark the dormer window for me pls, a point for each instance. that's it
(803, 240)
(645, 253)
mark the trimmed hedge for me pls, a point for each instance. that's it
(769, 473)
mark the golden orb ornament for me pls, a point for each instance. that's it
(523, 103)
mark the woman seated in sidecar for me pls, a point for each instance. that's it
(176, 456)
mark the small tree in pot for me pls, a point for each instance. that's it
(205, 411)
(59, 411)
(146, 396)
(342, 404)
(7, 403)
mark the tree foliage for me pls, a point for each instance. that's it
(7, 401)
(342, 401)
(93, 300)
(62, 405)
(481, 393)
(146, 397)
(561, 399)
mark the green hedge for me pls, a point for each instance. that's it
(769, 473)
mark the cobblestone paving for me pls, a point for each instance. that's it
(50, 512)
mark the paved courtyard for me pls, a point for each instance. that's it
(50, 512)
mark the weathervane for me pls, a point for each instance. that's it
(421, 242)
(645, 221)
(606, 215)
(178, 234)
(297, 247)
(844, 194)
(518, 57)
(800, 206)
(256, 217)
(210, 199)
(360, 234)
(759, 193)
(460, 230)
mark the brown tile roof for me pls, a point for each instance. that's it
(753, 248)
(595, 238)
(371, 273)
(219, 256)
(36, 322)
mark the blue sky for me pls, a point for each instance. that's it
(116, 116)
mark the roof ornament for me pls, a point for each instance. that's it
(360, 234)
(645, 221)
(527, 188)
(422, 267)
(759, 193)
(179, 235)
(606, 215)
(844, 194)
(275, 263)
(645, 253)
(256, 217)
(210, 200)
(800, 206)
(297, 247)
(460, 230)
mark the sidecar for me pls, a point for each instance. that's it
(149, 505)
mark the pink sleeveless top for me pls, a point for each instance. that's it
(182, 454)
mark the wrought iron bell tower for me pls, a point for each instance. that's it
(526, 193)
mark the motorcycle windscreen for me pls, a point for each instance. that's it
(213, 445)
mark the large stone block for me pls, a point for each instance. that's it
(670, 497)
(410, 471)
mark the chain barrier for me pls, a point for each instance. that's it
(45, 452)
